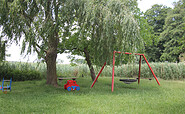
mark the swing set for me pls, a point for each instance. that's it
(126, 80)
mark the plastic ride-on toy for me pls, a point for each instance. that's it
(71, 85)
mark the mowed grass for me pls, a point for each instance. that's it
(37, 97)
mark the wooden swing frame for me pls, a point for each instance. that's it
(141, 55)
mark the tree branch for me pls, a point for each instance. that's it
(40, 47)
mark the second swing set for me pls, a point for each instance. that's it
(126, 80)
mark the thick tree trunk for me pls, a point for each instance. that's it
(53, 40)
(51, 56)
(51, 67)
(87, 58)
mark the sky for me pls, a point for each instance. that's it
(147, 4)
(15, 50)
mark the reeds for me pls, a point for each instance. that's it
(29, 71)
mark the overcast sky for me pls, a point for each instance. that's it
(147, 4)
(15, 50)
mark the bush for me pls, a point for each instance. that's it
(18, 71)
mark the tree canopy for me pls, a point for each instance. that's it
(101, 27)
(37, 23)
(167, 29)
(174, 33)
(104, 26)
(155, 17)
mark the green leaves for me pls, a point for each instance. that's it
(28, 20)
(3, 45)
(174, 33)
(104, 26)
(155, 18)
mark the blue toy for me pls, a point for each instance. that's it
(6, 88)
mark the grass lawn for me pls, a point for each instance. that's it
(37, 97)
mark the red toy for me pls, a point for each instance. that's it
(71, 85)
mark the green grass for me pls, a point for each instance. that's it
(37, 97)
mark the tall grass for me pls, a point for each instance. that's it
(174, 71)
(19, 71)
(166, 71)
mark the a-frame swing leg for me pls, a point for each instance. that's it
(98, 75)
(151, 70)
(113, 71)
(139, 75)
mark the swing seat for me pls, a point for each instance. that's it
(128, 81)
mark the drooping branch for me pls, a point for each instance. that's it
(39, 51)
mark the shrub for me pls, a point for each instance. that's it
(18, 71)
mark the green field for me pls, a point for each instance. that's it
(37, 97)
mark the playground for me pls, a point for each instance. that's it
(107, 95)
(147, 97)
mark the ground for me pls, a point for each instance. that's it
(148, 97)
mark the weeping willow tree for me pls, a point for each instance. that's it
(45, 26)
(101, 26)
(37, 24)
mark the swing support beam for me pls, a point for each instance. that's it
(141, 55)
(98, 75)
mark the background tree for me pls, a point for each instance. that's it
(156, 19)
(101, 27)
(174, 33)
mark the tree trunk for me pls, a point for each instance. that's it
(51, 56)
(51, 67)
(87, 58)
(53, 40)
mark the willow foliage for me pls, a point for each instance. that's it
(102, 26)
(2, 49)
(24, 19)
